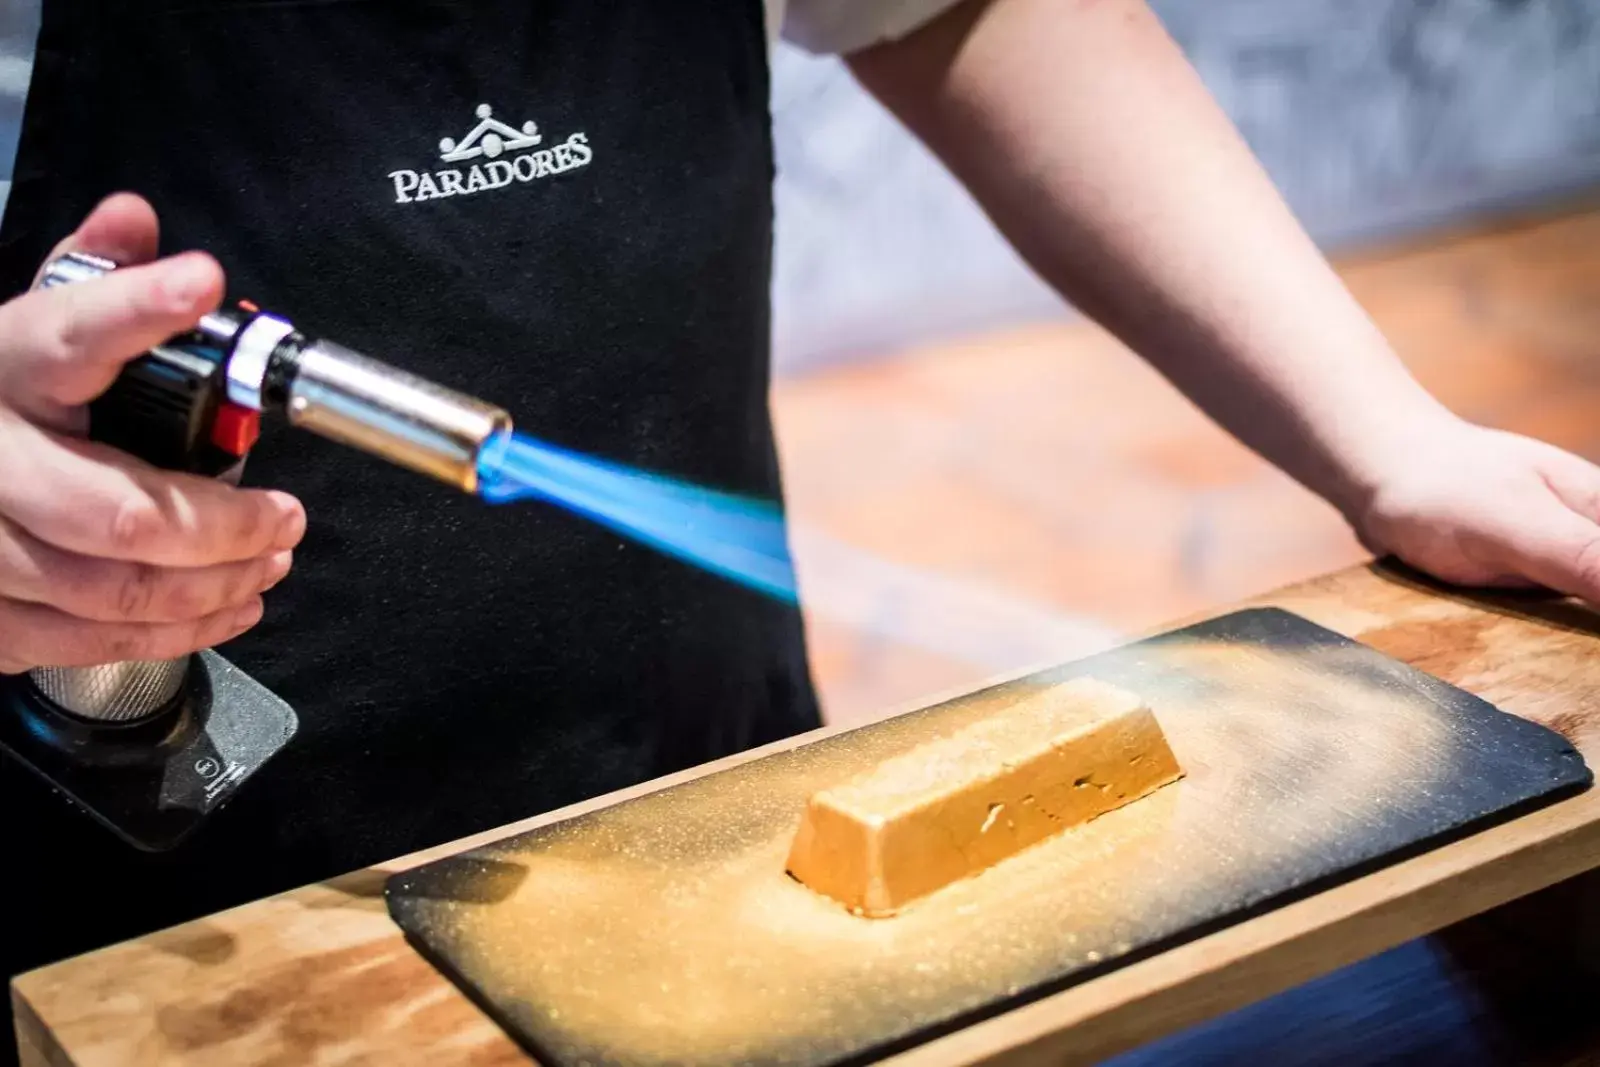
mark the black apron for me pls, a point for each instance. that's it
(561, 206)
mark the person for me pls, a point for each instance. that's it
(456, 667)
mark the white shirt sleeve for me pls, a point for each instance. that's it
(839, 26)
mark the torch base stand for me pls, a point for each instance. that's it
(153, 781)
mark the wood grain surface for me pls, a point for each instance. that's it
(322, 976)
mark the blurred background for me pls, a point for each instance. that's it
(981, 483)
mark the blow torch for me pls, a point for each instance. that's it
(150, 748)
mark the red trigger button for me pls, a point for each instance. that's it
(236, 429)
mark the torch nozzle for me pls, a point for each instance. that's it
(407, 420)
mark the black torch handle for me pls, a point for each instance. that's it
(161, 409)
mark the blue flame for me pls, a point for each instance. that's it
(738, 537)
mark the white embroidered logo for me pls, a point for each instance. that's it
(490, 139)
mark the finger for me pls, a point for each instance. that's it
(1574, 480)
(34, 635)
(122, 228)
(92, 500)
(1558, 548)
(67, 344)
(104, 590)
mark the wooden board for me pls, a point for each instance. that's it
(322, 976)
(665, 930)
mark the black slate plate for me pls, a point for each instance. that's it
(663, 930)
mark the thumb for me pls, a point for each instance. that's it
(122, 228)
(1556, 547)
(1573, 479)
(63, 347)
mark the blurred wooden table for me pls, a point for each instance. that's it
(321, 975)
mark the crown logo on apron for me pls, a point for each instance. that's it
(490, 137)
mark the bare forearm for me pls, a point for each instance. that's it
(1089, 139)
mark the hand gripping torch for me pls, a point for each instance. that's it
(149, 748)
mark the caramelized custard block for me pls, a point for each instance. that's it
(960, 804)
